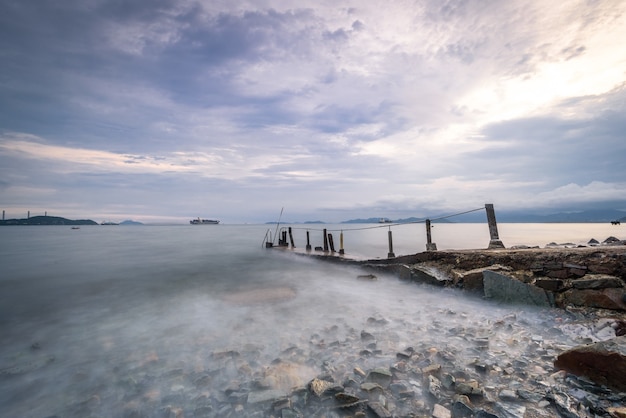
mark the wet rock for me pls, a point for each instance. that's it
(469, 388)
(378, 410)
(319, 386)
(605, 298)
(440, 411)
(603, 362)
(507, 289)
(434, 386)
(617, 412)
(261, 396)
(430, 275)
(380, 376)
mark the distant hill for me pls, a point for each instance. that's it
(585, 216)
(47, 220)
(129, 222)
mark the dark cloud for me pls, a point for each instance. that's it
(557, 150)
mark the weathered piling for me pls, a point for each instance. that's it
(390, 254)
(430, 245)
(494, 241)
(308, 241)
(291, 238)
(331, 243)
(325, 241)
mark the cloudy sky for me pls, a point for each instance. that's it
(162, 111)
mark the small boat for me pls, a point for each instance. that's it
(76, 227)
(109, 223)
(204, 222)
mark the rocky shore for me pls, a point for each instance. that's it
(549, 356)
(547, 378)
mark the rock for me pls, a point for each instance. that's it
(265, 396)
(379, 410)
(604, 362)
(379, 376)
(612, 298)
(440, 411)
(434, 386)
(462, 407)
(468, 388)
(430, 275)
(551, 284)
(318, 386)
(507, 289)
(617, 412)
(611, 240)
(598, 281)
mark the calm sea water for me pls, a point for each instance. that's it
(103, 319)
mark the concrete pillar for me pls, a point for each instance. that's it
(430, 245)
(390, 254)
(341, 243)
(494, 239)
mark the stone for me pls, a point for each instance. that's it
(379, 410)
(617, 412)
(462, 407)
(507, 289)
(612, 298)
(319, 386)
(379, 376)
(603, 362)
(434, 386)
(440, 411)
(265, 396)
(470, 387)
(598, 281)
(551, 284)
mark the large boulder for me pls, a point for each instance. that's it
(604, 362)
(503, 288)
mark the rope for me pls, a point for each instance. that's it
(389, 225)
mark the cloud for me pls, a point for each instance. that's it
(408, 107)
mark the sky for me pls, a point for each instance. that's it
(164, 111)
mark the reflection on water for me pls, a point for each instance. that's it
(106, 321)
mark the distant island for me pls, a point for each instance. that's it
(57, 220)
(47, 220)
(129, 222)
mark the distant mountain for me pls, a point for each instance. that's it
(586, 216)
(129, 222)
(47, 220)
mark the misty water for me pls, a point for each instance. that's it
(104, 320)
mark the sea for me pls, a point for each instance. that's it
(151, 320)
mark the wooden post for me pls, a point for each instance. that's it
(325, 241)
(430, 245)
(390, 254)
(291, 238)
(494, 239)
(308, 241)
(331, 243)
(341, 243)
